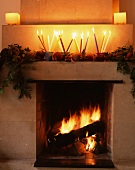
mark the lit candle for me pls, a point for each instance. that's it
(49, 45)
(56, 33)
(52, 40)
(107, 41)
(103, 41)
(60, 37)
(74, 38)
(81, 42)
(12, 18)
(69, 45)
(42, 37)
(95, 40)
(41, 41)
(86, 41)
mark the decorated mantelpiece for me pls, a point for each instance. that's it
(18, 60)
(66, 45)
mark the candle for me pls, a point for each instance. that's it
(52, 40)
(103, 41)
(95, 40)
(42, 37)
(81, 42)
(62, 44)
(12, 18)
(74, 38)
(57, 33)
(107, 41)
(120, 18)
(41, 41)
(69, 45)
(49, 45)
(86, 41)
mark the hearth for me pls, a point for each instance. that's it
(85, 105)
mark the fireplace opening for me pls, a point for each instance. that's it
(74, 124)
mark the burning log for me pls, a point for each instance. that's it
(62, 140)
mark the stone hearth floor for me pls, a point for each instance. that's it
(28, 164)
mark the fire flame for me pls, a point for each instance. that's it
(74, 122)
(91, 143)
(68, 125)
(87, 116)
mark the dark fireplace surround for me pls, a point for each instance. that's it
(54, 99)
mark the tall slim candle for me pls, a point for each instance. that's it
(49, 45)
(107, 41)
(95, 40)
(62, 44)
(41, 41)
(81, 42)
(52, 41)
(69, 45)
(86, 42)
(103, 41)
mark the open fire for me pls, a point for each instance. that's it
(83, 131)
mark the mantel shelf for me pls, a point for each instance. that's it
(92, 71)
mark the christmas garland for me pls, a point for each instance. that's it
(17, 59)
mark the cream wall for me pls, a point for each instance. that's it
(7, 6)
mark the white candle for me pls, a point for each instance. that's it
(103, 41)
(52, 40)
(104, 49)
(74, 38)
(12, 18)
(120, 18)
(81, 42)
(88, 34)
(49, 45)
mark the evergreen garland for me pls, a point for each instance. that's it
(17, 59)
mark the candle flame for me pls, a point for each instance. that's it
(104, 32)
(82, 34)
(93, 30)
(88, 34)
(37, 32)
(74, 35)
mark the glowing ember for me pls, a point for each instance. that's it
(91, 143)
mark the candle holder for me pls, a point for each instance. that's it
(48, 56)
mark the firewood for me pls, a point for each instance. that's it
(62, 140)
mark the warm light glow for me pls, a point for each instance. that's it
(91, 143)
(103, 41)
(93, 30)
(105, 46)
(74, 35)
(96, 114)
(12, 18)
(120, 18)
(86, 117)
(68, 125)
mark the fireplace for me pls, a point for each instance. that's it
(88, 145)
